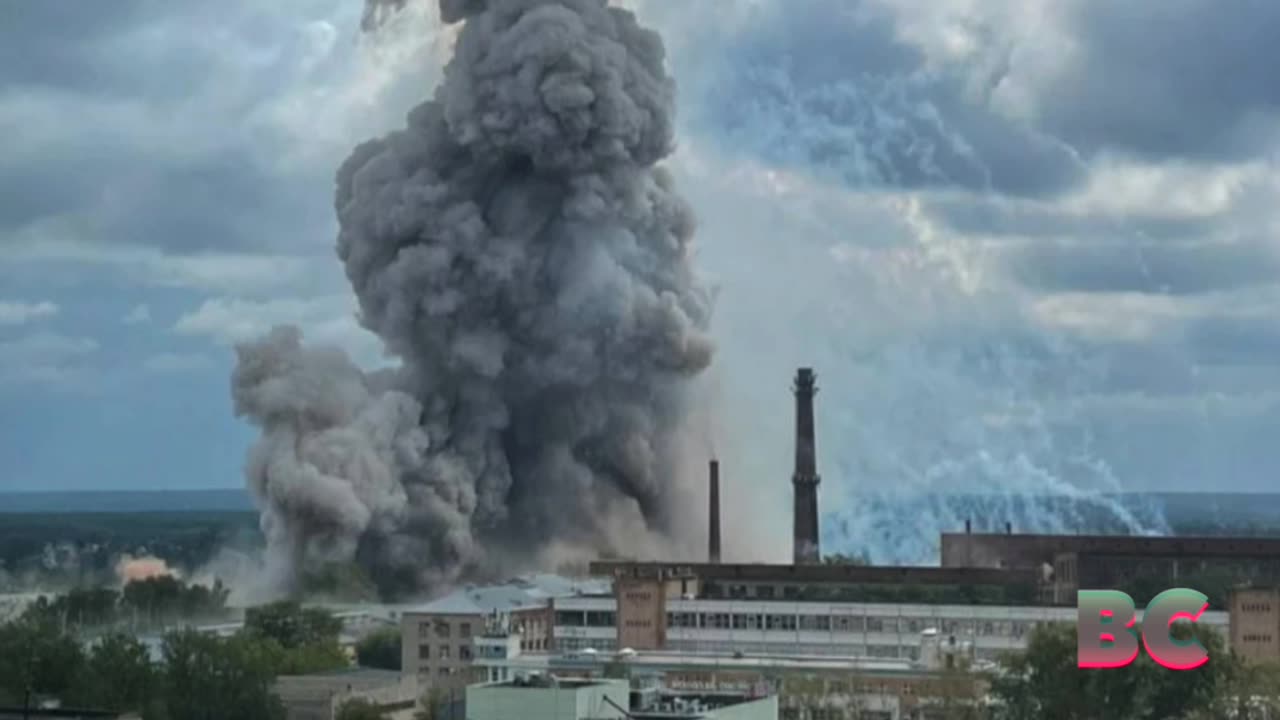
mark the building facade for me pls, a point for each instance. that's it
(438, 639)
(1255, 624)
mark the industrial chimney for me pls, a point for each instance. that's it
(713, 522)
(805, 480)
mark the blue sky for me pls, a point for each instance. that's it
(1026, 244)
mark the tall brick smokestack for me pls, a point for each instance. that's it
(713, 522)
(805, 480)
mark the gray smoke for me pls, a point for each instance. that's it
(518, 249)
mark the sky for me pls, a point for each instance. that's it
(1028, 245)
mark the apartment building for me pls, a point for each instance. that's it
(438, 637)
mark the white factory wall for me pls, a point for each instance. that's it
(885, 630)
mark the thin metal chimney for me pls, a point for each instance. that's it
(713, 521)
(805, 480)
(968, 526)
(1008, 528)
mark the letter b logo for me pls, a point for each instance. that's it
(1105, 629)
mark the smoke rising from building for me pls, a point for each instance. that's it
(517, 247)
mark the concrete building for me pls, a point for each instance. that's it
(1255, 624)
(538, 696)
(549, 699)
(438, 638)
(805, 688)
(319, 696)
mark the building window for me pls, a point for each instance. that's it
(424, 630)
(465, 630)
(424, 652)
(442, 629)
(444, 652)
(601, 618)
(464, 652)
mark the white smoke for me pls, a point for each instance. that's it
(518, 249)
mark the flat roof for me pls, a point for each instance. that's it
(1154, 545)
(871, 574)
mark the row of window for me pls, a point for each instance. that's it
(845, 623)
(442, 629)
(445, 652)
(1256, 638)
(1256, 607)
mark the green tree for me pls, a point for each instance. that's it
(38, 657)
(380, 649)
(359, 709)
(210, 678)
(117, 675)
(1043, 682)
(291, 625)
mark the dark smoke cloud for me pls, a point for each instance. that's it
(518, 249)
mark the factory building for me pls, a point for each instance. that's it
(1142, 566)
(797, 611)
(806, 688)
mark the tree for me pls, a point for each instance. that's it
(380, 649)
(117, 675)
(37, 657)
(1044, 682)
(359, 709)
(209, 678)
(291, 625)
(431, 705)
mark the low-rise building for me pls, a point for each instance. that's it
(319, 696)
(805, 688)
(547, 698)
(539, 696)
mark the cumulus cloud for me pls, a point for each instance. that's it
(20, 313)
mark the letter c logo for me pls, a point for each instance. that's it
(1157, 629)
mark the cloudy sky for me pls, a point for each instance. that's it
(1028, 244)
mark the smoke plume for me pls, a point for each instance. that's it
(519, 250)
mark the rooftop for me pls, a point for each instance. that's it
(361, 673)
(819, 573)
(520, 593)
(1153, 545)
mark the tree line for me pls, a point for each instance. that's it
(196, 676)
